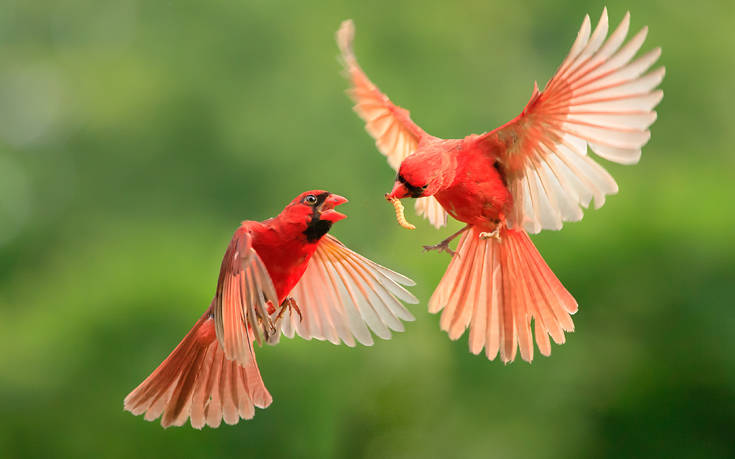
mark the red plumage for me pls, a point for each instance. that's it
(530, 174)
(212, 375)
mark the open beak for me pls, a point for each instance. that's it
(399, 191)
(327, 211)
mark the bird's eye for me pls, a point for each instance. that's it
(310, 199)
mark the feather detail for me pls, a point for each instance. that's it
(597, 98)
(244, 291)
(344, 297)
(395, 134)
(497, 287)
(197, 382)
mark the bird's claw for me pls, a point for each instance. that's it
(267, 325)
(494, 233)
(443, 246)
(289, 304)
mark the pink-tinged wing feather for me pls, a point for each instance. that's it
(244, 291)
(395, 134)
(429, 208)
(599, 97)
(343, 296)
(497, 288)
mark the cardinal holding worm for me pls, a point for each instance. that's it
(530, 174)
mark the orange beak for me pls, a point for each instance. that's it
(327, 208)
(399, 191)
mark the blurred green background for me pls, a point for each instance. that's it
(135, 136)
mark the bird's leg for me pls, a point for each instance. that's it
(270, 325)
(289, 303)
(494, 233)
(443, 246)
(265, 321)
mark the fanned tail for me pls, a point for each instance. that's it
(495, 287)
(196, 381)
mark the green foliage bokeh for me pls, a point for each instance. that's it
(134, 136)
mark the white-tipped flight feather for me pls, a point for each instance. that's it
(395, 134)
(244, 290)
(343, 296)
(598, 97)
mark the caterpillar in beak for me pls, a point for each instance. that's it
(400, 218)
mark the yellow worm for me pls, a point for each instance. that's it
(399, 213)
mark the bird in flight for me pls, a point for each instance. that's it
(530, 174)
(283, 275)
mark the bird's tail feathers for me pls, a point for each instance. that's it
(196, 381)
(496, 286)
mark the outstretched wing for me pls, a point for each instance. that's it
(244, 290)
(343, 295)
(395, 134)
(598, 97)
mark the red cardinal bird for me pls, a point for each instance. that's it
(530, 174)
(323, 290)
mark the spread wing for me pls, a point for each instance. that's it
(599, 97)
(343, 295)
(244, 290)
(395, 134)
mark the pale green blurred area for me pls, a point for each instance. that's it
(135, 136)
